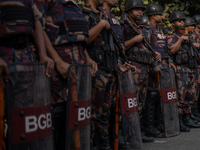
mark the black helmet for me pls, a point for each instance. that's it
(144, 20)
(166, 30)
(196, 18)
(154, 9)
(130, 4)
(176, 15)
(189, 21)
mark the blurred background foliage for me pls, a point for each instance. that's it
(188, 7)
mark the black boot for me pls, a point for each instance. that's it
(195, 119)
(104, 143)
(183, 128)
(91, 146)
(122, 145)
(189, 122)
(147, 139)
(195, 111)
(150, 130)
(159, 124)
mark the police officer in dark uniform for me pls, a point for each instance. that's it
(138, 53)
(99, 49)
(189, 30)
(196, 39)
(185, 73)
(158, 41)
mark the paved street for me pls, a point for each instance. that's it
(185, 141)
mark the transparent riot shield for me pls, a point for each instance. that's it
(129, 112)
(78, 107)
(29, 108)
(169, 102)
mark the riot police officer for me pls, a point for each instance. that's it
(104, 79)
(21, 34)
(138, 53)
(189, 30)
(158, 41)
(196, 39)
(185, 74)
(66, 35)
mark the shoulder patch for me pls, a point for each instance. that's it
(86, 10)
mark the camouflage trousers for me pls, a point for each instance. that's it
(71, 54)
(185, 85)
(197, 86)
(140, 81)
(102, 96)
(11, 55)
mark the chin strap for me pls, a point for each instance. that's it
(158, 18)
(180, 27)
(135, 18)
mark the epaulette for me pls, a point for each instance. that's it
(121, 22)
(86, 10)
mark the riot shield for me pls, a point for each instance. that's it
(129, 112)
(29, 108)
(169, 102)
(78, 107)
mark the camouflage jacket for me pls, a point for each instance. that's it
(115, 25)
(63, 21)
(184, 48)
(157, 40)
(18, 17)
(139, 48)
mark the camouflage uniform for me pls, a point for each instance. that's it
(67, 39)
(158, 42)
(196, 37)
(16, 32)
(103, 90)
(141, 76)
(66, 28)
(102, 82)
(185, 78)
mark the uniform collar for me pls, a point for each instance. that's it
(106, 13)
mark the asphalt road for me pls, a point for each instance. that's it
(184, 141)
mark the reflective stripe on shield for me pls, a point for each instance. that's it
(130, 118)
(29, 108)
(169, 100)
(78, 107)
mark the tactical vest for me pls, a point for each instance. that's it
(160, 43)
(138, 54)
(67, 24)
(16, 19)
(106, 55)
(184, 58)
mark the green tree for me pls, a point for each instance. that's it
(188, 7)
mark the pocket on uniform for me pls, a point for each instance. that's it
(178, 59)
(76, 27)
(52, 32)
(185, 58)
(99, 55)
